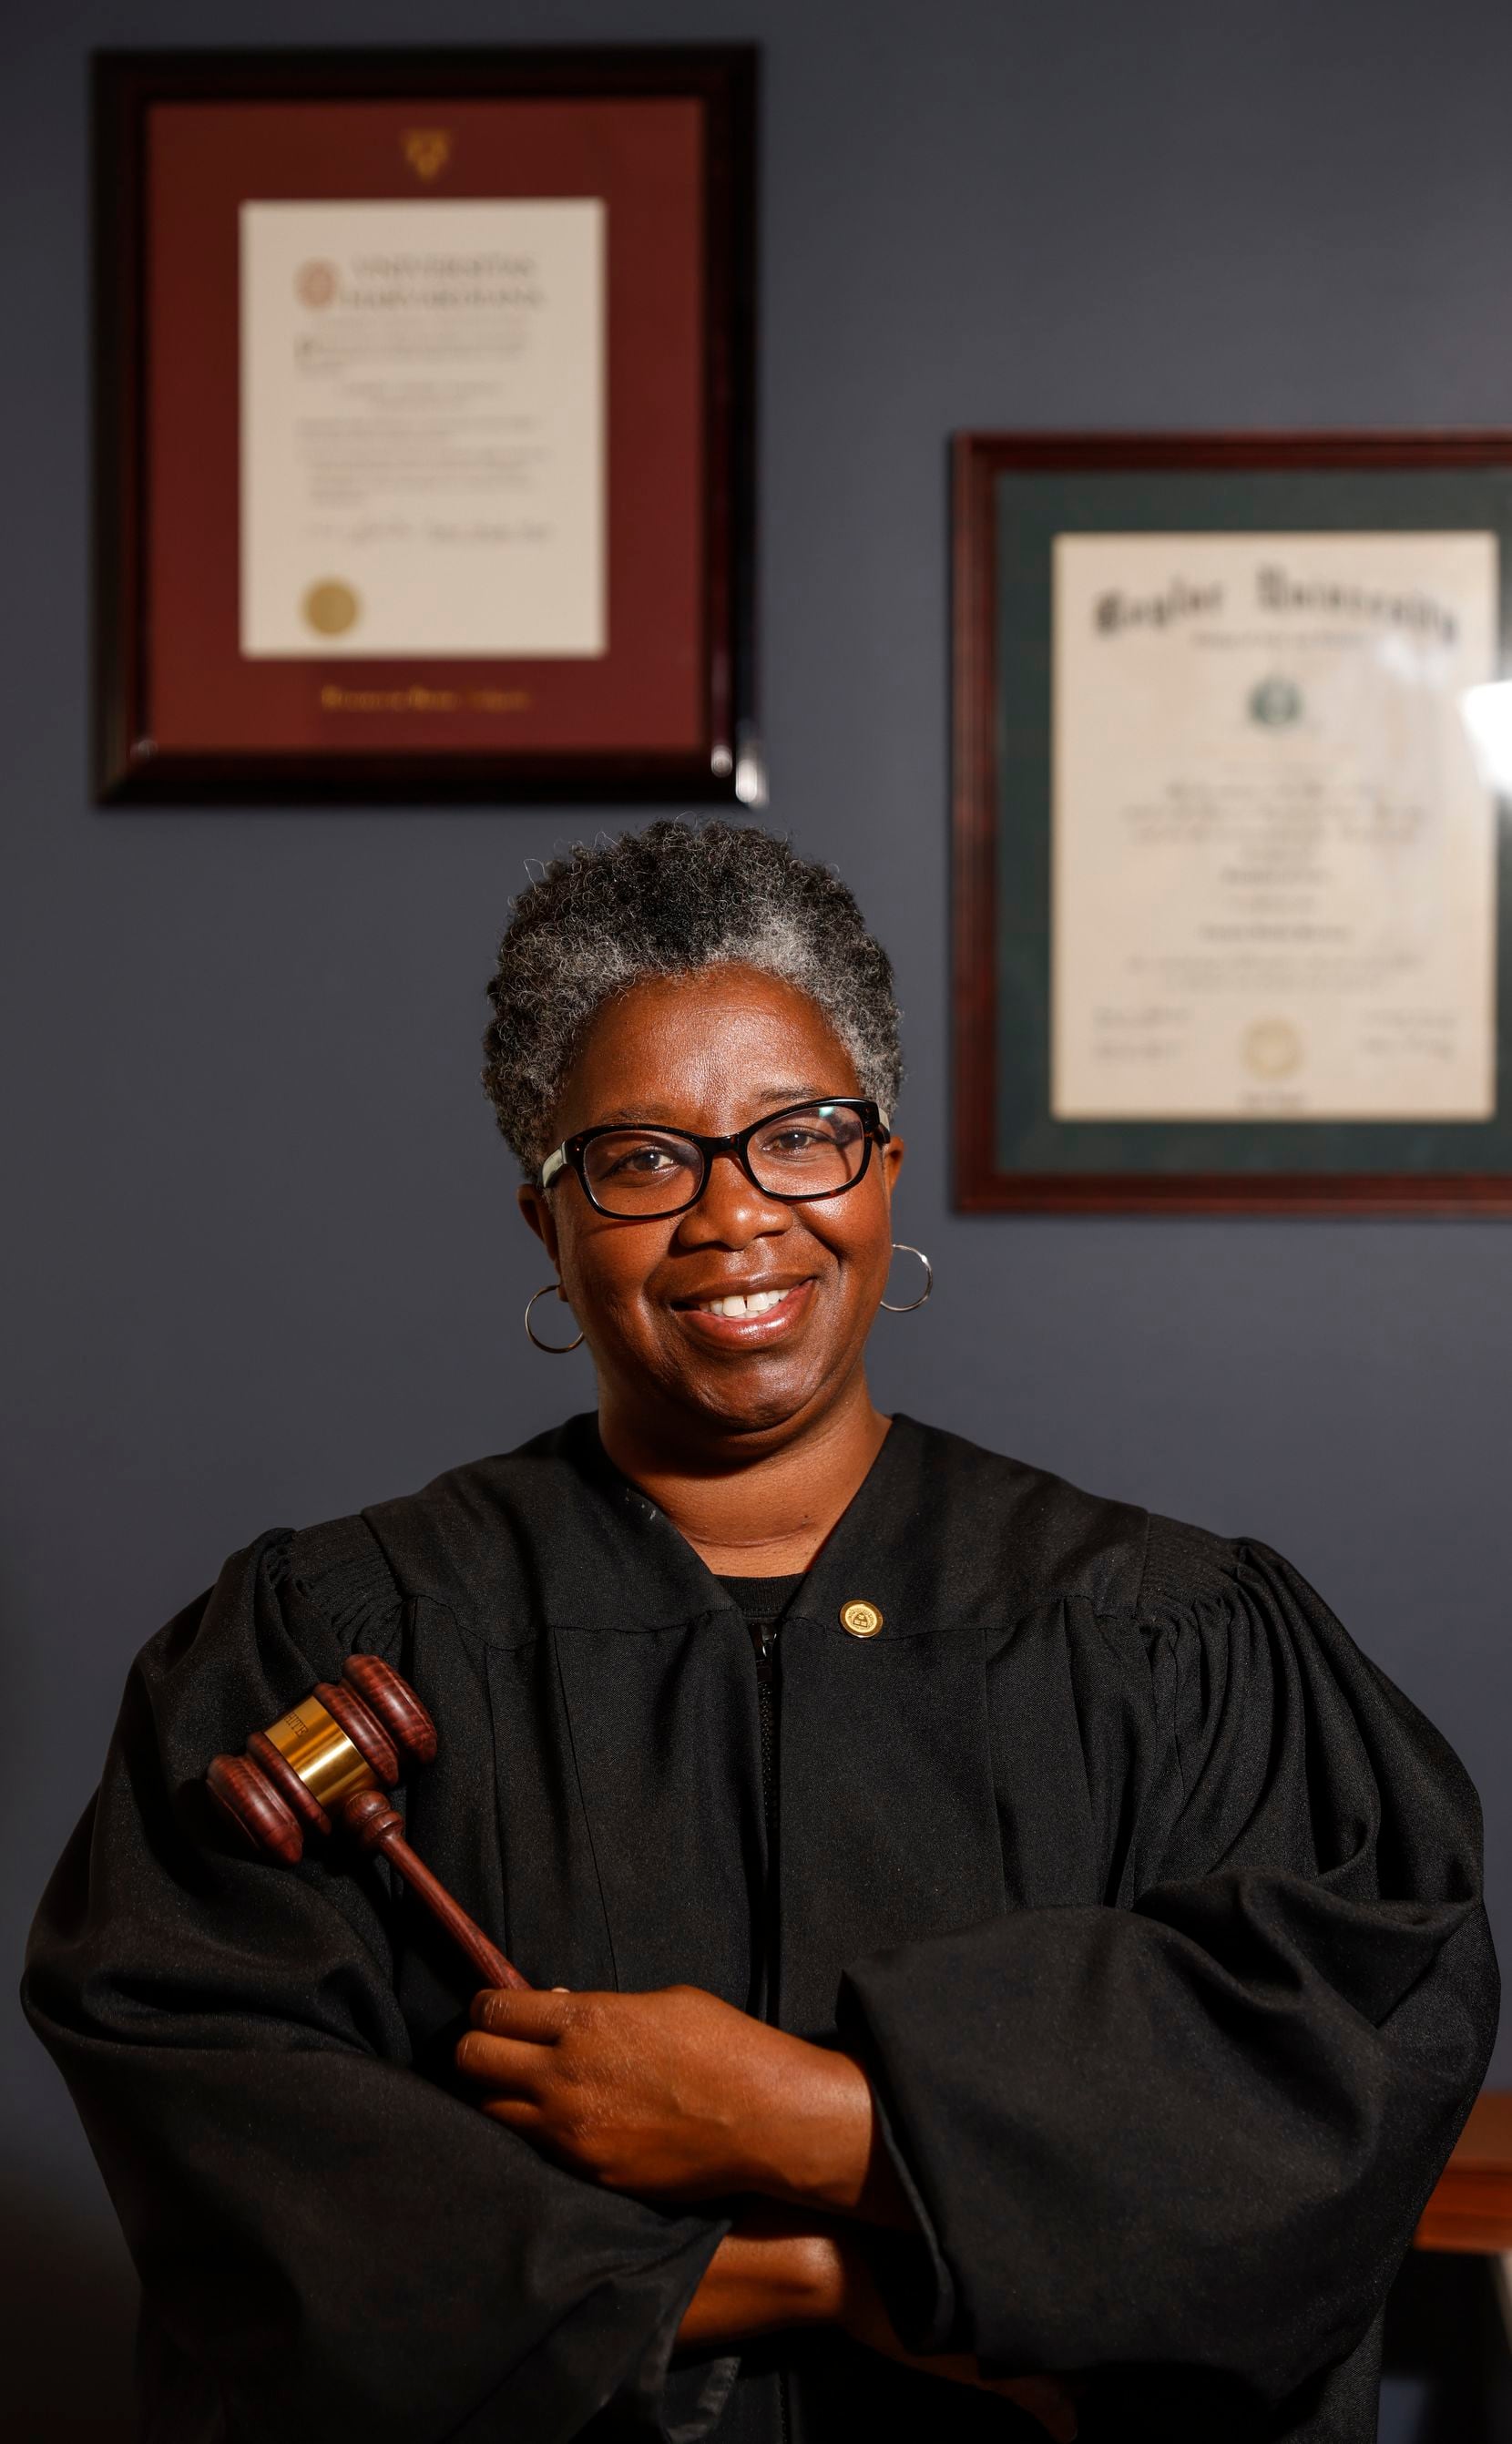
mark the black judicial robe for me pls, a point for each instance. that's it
(1152, 1906)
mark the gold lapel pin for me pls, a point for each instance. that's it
(862, 1620)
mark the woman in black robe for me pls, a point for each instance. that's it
(997, 1935)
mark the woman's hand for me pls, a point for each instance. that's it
(859, 2312)
(677, 2094)
(775, 2271)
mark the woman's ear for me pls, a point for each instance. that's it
(893, 1154)
(537, 1210)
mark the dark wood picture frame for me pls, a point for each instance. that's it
(130, 764)
(984, 1183)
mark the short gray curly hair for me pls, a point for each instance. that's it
(662, 903)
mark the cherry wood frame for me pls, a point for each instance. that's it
(979, 1184)
(126, 767)
(1472, 2209)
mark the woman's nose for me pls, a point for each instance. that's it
(733, 1210)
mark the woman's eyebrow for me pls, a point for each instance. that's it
(660, 1115)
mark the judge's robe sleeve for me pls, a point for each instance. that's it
(330, 2245)
(1196, 2126)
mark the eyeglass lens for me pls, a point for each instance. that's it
(646, 1172)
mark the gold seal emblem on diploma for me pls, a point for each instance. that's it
(316, 283)
(331, 607)
(1273, 1047)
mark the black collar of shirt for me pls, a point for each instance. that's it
(763, 1599)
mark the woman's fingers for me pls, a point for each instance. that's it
(1041, 2396)
(538, 2017)
(862, 2315)
(504, 2062)
(515, 2112)
(1043, 2400)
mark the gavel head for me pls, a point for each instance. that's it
(358, 1734)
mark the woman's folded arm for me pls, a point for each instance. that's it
(1199, 2129)
(329, 2243)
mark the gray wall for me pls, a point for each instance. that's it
(262, 1258)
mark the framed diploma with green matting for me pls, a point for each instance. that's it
(1232, 737)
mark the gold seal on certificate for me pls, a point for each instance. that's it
(1273, 864)
(1273, 1049)
(330, 607)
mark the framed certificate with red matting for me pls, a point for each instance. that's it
(423, 432)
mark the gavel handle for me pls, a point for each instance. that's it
(378, 1826)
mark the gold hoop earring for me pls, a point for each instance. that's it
(552, 1348)
(901, 1248)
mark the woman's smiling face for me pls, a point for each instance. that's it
(712, 1052)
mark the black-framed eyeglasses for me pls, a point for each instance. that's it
(641, 1174)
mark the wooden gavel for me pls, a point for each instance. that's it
(333, 1758)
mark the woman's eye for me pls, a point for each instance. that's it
(799, 1139)
(643, 1162)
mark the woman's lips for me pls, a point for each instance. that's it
(749, 1331)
